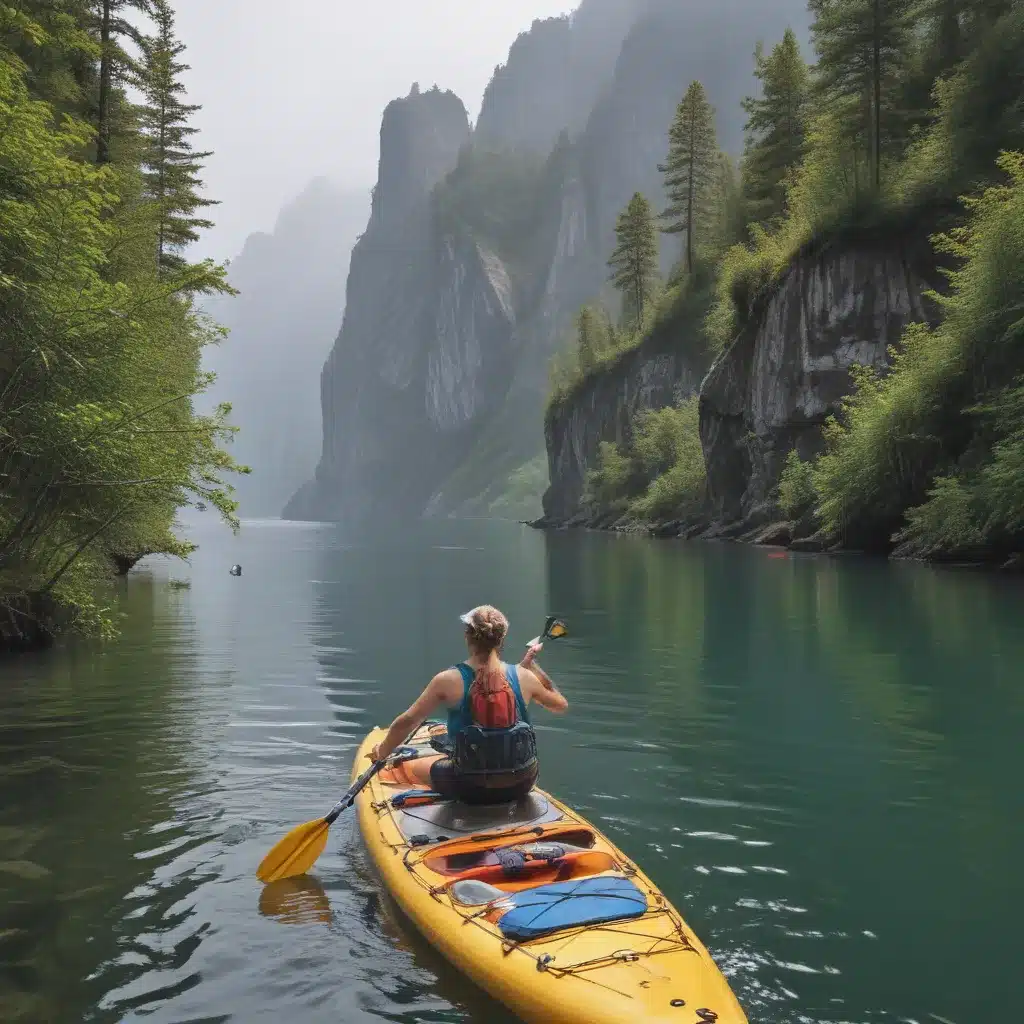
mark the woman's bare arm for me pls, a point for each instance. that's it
(542, 690)
(434, 696)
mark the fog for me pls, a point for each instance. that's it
(294, 91)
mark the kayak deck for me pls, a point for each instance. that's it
(537, 906)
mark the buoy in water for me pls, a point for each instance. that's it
(236, 570)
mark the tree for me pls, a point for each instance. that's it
(116, 66)
(99, 364)
(691, 170)
(170, 166)
(863, 46)
(634, 262)
(776, 127)
(591, 337)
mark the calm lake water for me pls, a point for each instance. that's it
(819, 761)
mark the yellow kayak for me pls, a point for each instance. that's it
(537, 907)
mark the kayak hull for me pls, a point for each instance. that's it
(647, 968)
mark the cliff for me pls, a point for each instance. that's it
(282, 324)
(482, 246)
(665, 368)
(788, 370)
(374, 385)
(838, 304)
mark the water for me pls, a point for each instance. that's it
(818, 761)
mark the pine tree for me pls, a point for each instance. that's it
(634, 262)
(730, 205)
(116, 66)
(691, 171)
(863, 47)
(170, 167)
(776, 128)
(590, 339)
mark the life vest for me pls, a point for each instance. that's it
(490, 731)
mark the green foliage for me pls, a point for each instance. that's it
(668, 449)
(978, 113)
(776, 128)
(933, 451)
(862, 48)
(608, 485)
(99, 365)
(170, 165)
(797, 495)
(691, 172)
(634, 262)
(659, 473)
(593, 337)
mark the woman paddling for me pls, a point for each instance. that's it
(493, 747)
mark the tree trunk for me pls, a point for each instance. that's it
(689, 192)
(106, 75)
(877, 71)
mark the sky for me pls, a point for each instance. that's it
(294, 91)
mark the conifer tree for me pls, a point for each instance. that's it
(111, 28)
(691, 170)
(863, 46)
(590, 338)
(776, 128)
(634, 262)
(170, 167)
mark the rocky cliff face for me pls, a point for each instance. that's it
(665, 369)
(471, 268)
(787, 372)
(373, 398)
(555, 73)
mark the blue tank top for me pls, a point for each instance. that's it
(459, 718)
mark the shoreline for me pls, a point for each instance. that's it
(779, 535)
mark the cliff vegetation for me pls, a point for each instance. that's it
(100, 339)
(879, 191)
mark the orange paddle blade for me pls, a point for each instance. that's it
(296, 853)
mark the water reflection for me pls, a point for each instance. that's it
(816, 759)
(299, 900)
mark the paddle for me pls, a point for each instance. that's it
(300, 849)
(554, 629)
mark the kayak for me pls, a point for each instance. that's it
(535, 905)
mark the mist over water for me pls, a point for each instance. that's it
(814, 759)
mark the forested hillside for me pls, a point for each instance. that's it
(857, 280)
(100, 338)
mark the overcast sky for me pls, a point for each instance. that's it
(292, 91)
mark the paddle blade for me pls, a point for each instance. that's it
(557, 629)
(296, 853)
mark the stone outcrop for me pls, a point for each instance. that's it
(788, 370)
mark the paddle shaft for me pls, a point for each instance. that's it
(353, 791)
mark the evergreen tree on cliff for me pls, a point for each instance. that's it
(170, 166)
(691, 171)
(863, 47)
(112, 28)
(634, 262)
(591, 337)
(776, 128)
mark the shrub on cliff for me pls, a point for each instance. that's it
(932, 454)
(659, 473)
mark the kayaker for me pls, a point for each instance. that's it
(493, 755)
